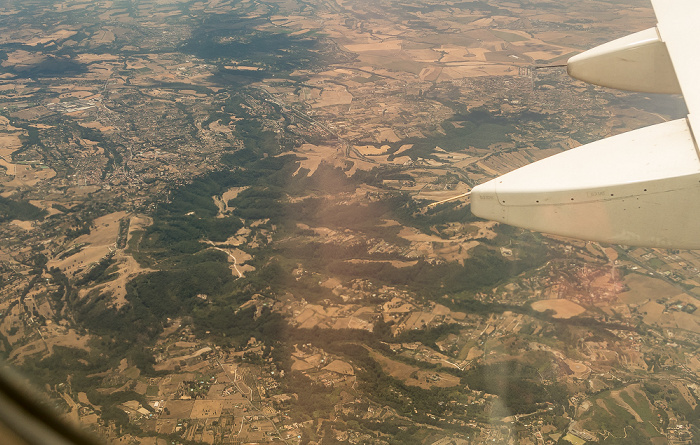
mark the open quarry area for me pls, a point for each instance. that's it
(216, 227)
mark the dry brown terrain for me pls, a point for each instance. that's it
(643, 288)
(93, 246)
(562, 308)
(414, 376)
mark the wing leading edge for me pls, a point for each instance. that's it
(639, 188)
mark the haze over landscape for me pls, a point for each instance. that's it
(215, 226)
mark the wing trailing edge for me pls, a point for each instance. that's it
(639, 188)
(638, 62)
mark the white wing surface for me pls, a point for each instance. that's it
(639, 188)
(679, 29)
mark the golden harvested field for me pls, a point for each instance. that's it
(688, 322)
(9, 143)
(643, 288)
(395, 263)
(653, 313)
(376, 46)
(96, 245)
(22, 58)
(26, 175)
(333, 95)
(222, 201)
(203, 409)
(301, 365)
(562, 308)
(370, 150)
(340, 367)
(313, 155)
(128, 269)
(26, 225)
(178, 409)
(54, 336)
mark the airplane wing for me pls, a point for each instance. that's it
(639, 188)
